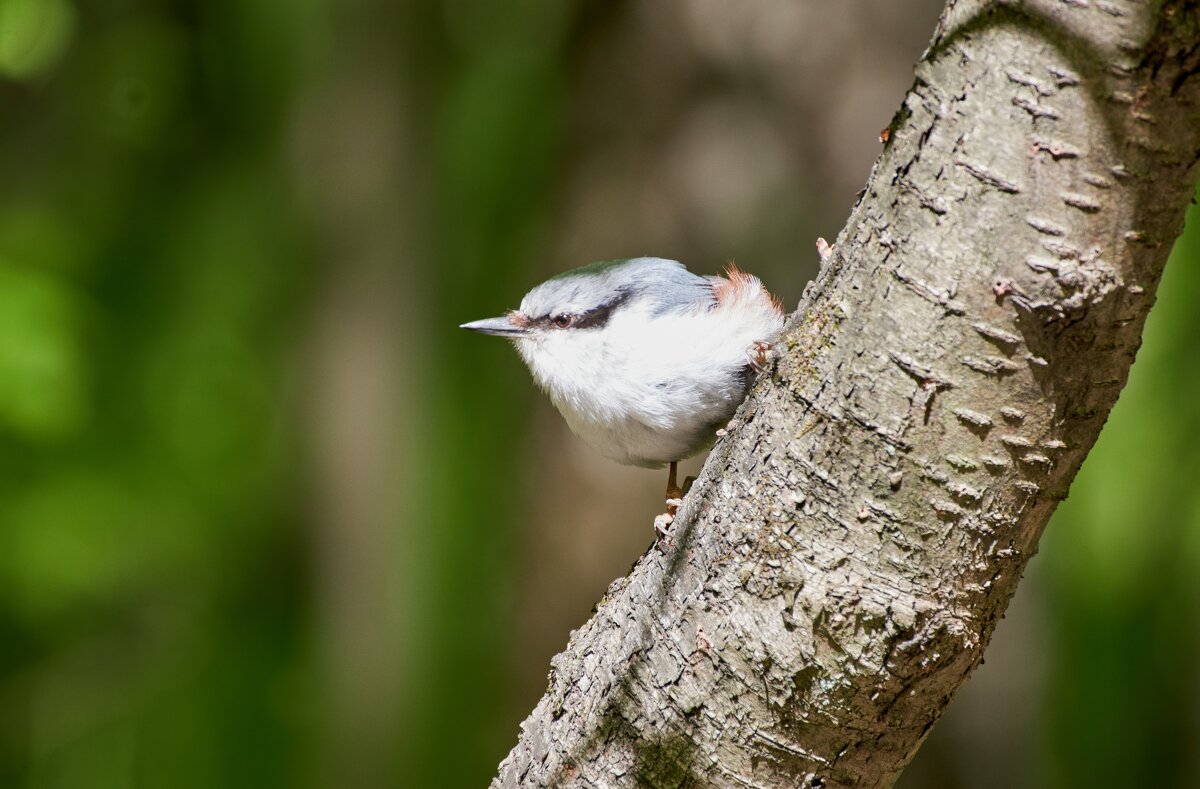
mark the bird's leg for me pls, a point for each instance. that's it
(662, 524)
(673, 489)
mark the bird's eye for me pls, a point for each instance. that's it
(562, 320)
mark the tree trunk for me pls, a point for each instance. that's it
(843, 559)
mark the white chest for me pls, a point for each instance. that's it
(643, 390)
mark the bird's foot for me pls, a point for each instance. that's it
(663, 524)
(662, 527)
(824, 250)
(760, 354)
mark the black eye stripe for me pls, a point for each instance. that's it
(594, 318)
(597, 317)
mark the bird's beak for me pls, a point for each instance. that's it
(501, 327)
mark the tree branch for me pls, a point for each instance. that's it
(846, 553)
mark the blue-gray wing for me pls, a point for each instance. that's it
(668, 286)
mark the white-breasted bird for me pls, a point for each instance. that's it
(644, 359)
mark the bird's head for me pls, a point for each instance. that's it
(570, 315)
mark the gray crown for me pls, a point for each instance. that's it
(665, 285)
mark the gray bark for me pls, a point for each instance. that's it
(844, 557)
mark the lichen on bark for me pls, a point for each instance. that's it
(842, 561)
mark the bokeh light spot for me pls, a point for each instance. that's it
(33, 35)
(41, 394)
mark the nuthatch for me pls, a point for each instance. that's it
(644, 359)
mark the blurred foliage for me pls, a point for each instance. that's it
(1123, 695)
(168, 243)
(33, 34)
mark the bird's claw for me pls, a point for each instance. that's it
(759, 355)
(662, 526)
(824, 250)
(662, 523)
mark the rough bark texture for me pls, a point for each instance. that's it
(843, 558)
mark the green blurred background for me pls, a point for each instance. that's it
(270, 520)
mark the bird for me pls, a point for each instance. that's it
(644, 359)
